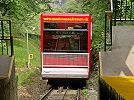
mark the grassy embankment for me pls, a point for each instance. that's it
(25, 74)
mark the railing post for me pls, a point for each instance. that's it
(111, 28)
(12, 50)
(10, 28)
(2, 29)
(2, 47)
(126, 11)
(115, 6)
(131, 10)
(7, 46)
(105, 32)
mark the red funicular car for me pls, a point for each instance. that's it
(65, 45)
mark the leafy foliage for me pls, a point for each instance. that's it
(24, 14)
(97, 8)
(72, 6)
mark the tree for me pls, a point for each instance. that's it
(22, 13)
(72, 6)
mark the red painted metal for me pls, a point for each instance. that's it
(70, 60)
(41, 32)
(89, 41)
(68, 18)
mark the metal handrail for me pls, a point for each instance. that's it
(111, 4)
(123, 10)
(6, 41)
(109, 14)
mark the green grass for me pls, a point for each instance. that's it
(85, 91)
(25, 76)
(20, 51)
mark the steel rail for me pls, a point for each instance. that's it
(45, 95)
(78, 97)
(65, 94)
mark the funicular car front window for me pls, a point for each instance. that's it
(69, 37)
(65, 25)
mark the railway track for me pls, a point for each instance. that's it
(62, 94)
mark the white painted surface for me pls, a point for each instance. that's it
(65, 72)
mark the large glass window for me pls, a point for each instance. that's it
(65, 37)
(67, 26)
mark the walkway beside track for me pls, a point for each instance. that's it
(6, 64)
(8, 79)
(117, 66)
